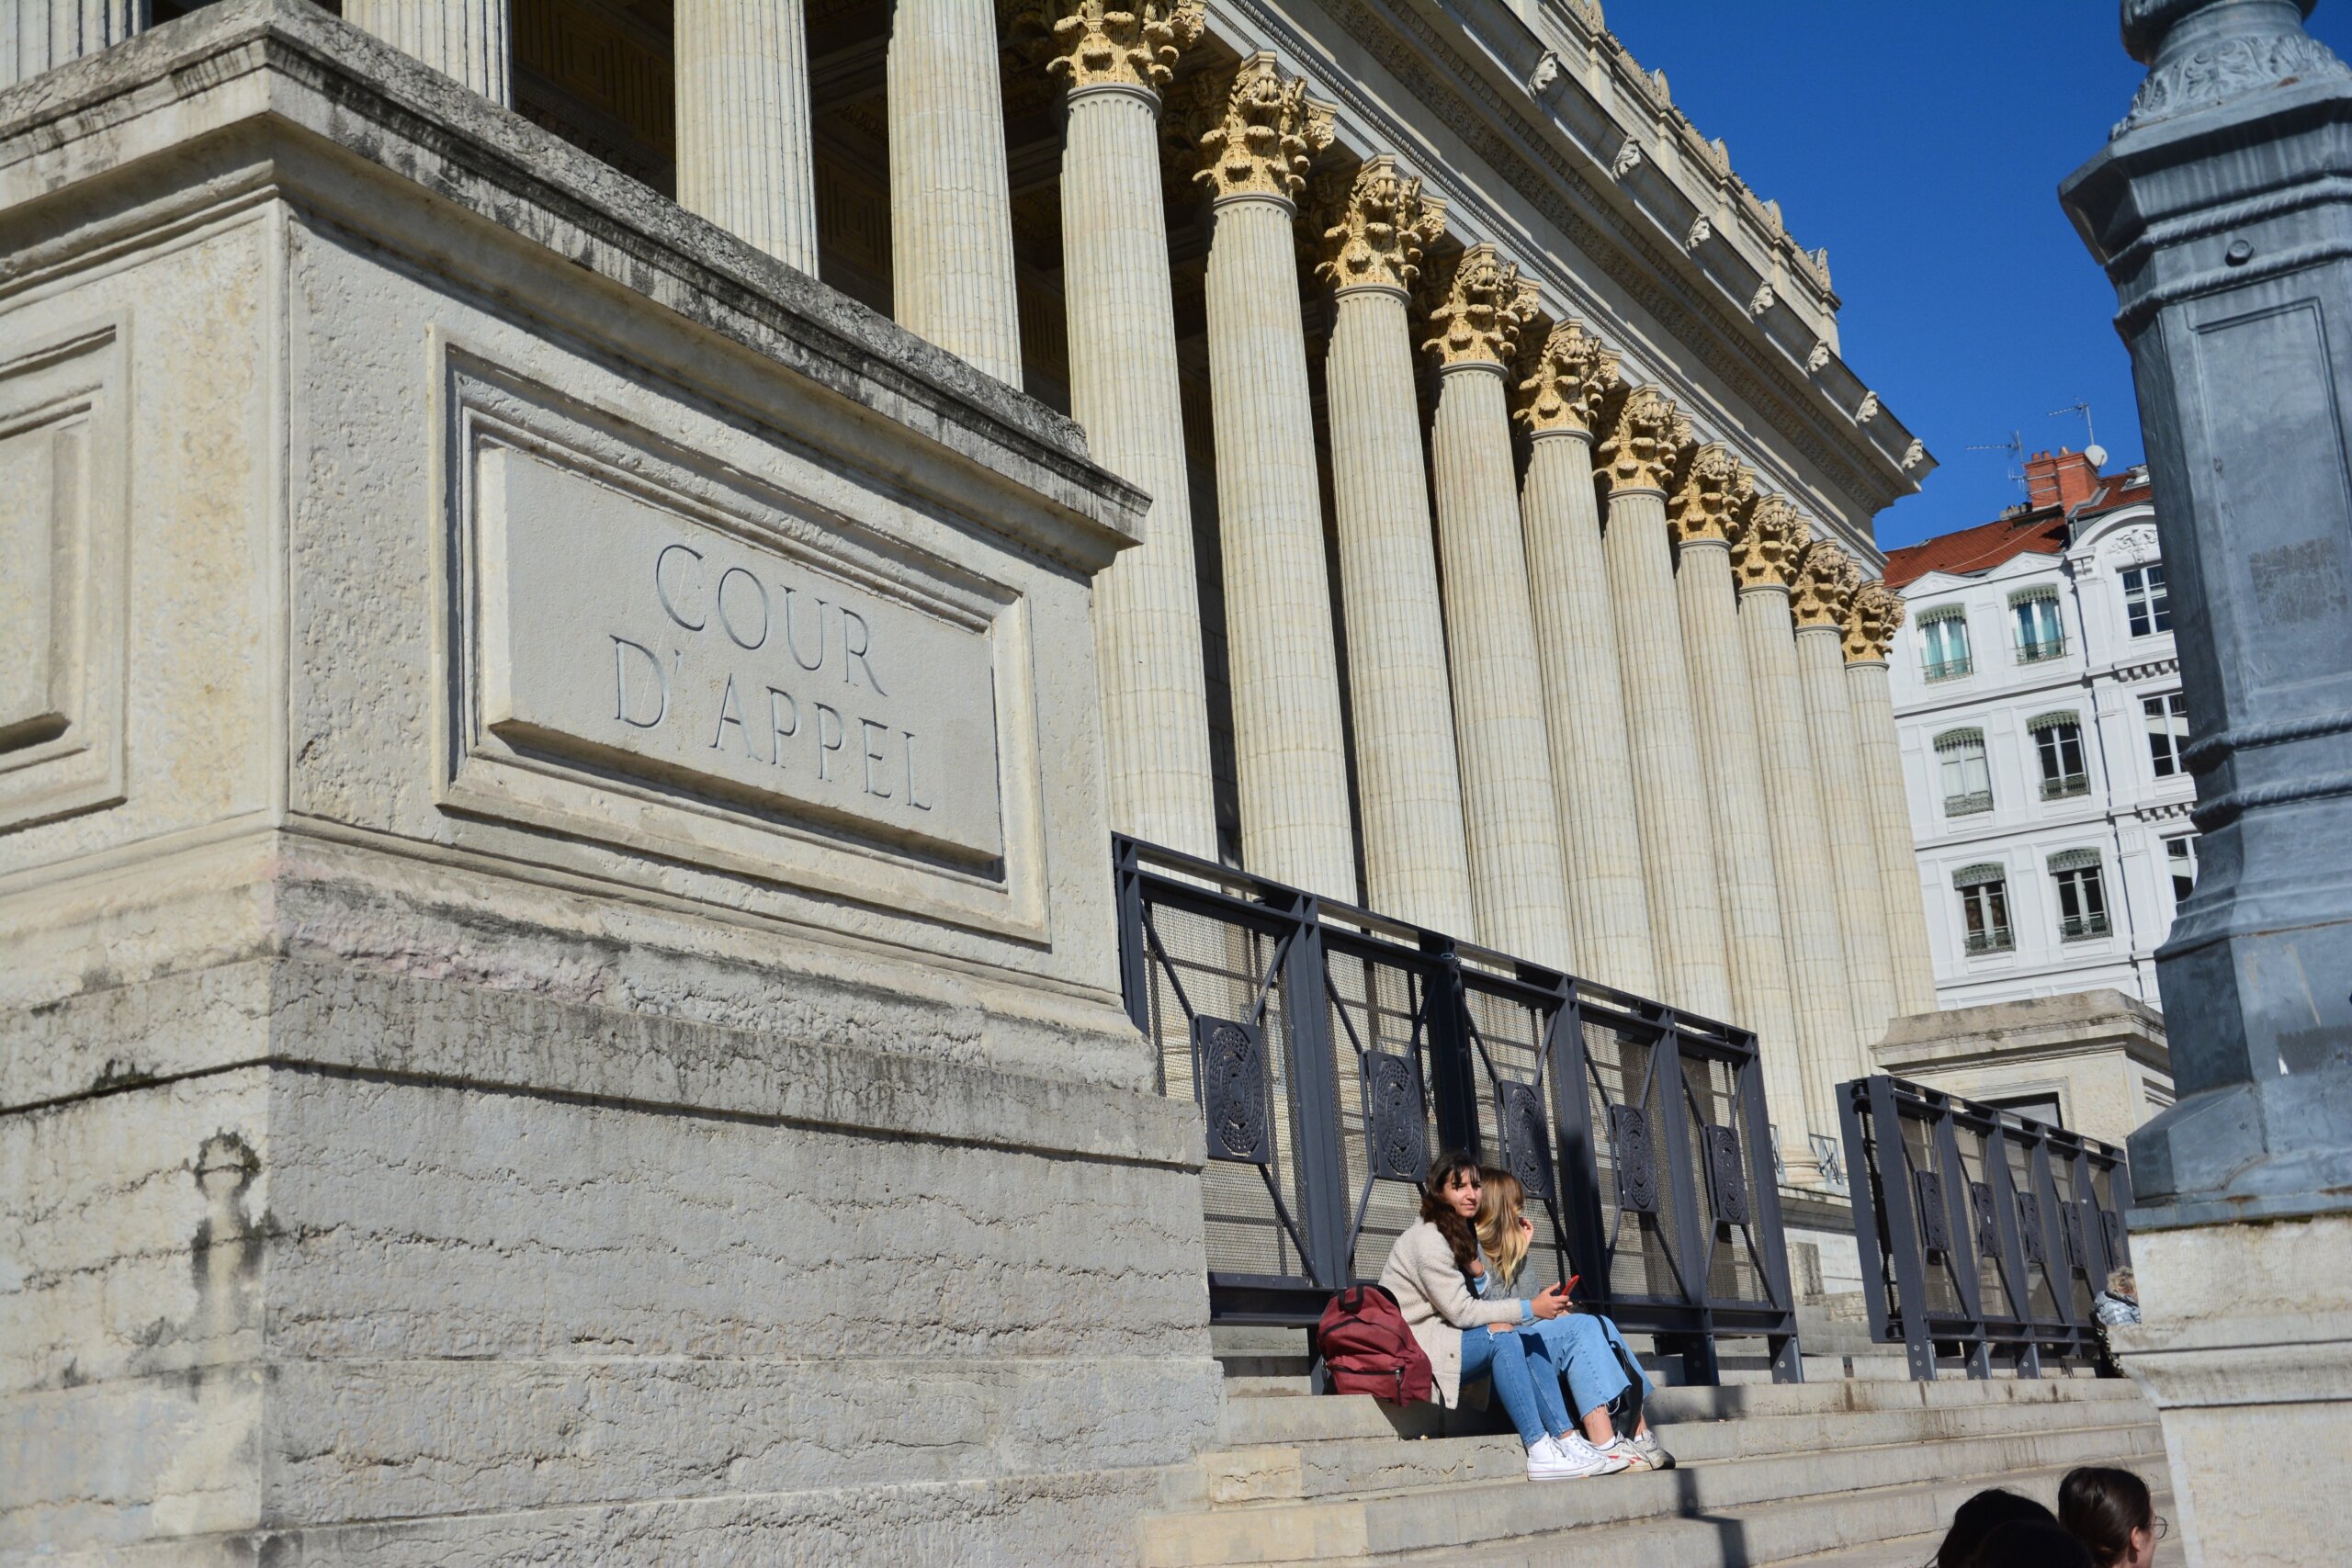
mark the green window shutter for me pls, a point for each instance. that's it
(2072, 860)
(1953, 740)
(1942, 613)
(2053, 719)
(1980, 873)
(2038, 591)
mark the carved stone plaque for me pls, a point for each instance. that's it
(620, 632)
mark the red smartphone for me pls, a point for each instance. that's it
(1571, 1285)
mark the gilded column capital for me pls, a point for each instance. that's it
(1766, 540)
(1644, 449)
(1378, 228)
(1824, 586)
(1257, 129)
(1716, 488)
(1486, 306)
(1563, 383)
(1109, 43)
(1872, 617)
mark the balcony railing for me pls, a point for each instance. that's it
(2060, 788)
(1995, 940)
(1948, 669)
(2081, 928)
(1967, 805)
(2038, 652)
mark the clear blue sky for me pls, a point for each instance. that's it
(1923, 143)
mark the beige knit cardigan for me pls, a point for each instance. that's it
(1437, 1303)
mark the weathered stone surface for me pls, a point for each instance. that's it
(2101, 1054)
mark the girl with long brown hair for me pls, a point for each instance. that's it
(1585, 1347)
(1434, 1270)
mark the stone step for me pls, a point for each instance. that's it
(1381, 1463)
(1486, 1514)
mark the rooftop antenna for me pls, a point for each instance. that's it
(2091, 449)
(2015, 448)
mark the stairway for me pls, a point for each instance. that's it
(1847, 1473)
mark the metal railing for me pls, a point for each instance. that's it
(2040, 653)
(2068, 785)
(2081, 928)
(1967, 805)
(1334, 1051)
(1948, 669)
(1997, 940)
(1983, 1233)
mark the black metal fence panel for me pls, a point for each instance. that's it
(1334, 1051)
(1984, 1234)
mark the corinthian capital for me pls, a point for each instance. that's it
(1379, 230)
(1257, 129)
(1110, 43)
(1644, 449)
(1716, 487)
(1484, 308)
(1564, 382)
(1824, 586)
(1872, 617)
(1766, 540)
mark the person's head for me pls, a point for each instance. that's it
(1450, 1202)
(1503, 1226)
(2110, 1513)
(2122, 1283)
(1979, 1518)
(2030, 1543)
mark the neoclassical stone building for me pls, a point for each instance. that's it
(1510, 562)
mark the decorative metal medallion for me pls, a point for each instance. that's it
(1988, 1231)
(1527, 1138)
(2030, 1227)
(1727, 1174)
(1233, 1090)
(2078, 1252)
(1935, 1220)
(1628, 1144)
(1398, 1132)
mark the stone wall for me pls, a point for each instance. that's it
(436, 1120)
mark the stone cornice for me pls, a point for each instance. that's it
(1564, 382)
(1377, 229)
(1712, 327)
(1482, 305)
(1256, 129)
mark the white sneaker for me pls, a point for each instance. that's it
(1628, 1451)
(1603, 1460)
(1556, 1459)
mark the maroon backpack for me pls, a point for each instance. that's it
(1367, 1348)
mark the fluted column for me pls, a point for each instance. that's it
(1872, 621)
(1563, 384)
(1638, 461)
(1824, 582)
(1124, 390)
(465, 39)
(36, 34)
(1800, 1087)
(1408, 786)
(951, 212)
(744, 158)
(1257, 134)
(1509, 808)
(1716, 487)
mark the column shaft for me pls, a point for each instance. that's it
(744, 158)
(1416, 864)
(468, 39)
(951, 213)
(1724, 699)
(1288, 747)
(1509, 808)
(1853, 842)
(1898, 859)
(1669, 789)
(1124, 390)
(1801, 1089)
(36, 34)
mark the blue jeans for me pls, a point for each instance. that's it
(1524, 1376)
(1580, 1345)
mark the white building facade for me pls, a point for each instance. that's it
(2038, 710)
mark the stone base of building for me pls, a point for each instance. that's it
(2100, 1056)
(2247, 1354)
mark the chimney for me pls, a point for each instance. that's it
(2065, 481)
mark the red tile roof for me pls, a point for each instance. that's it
(2041, 531)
